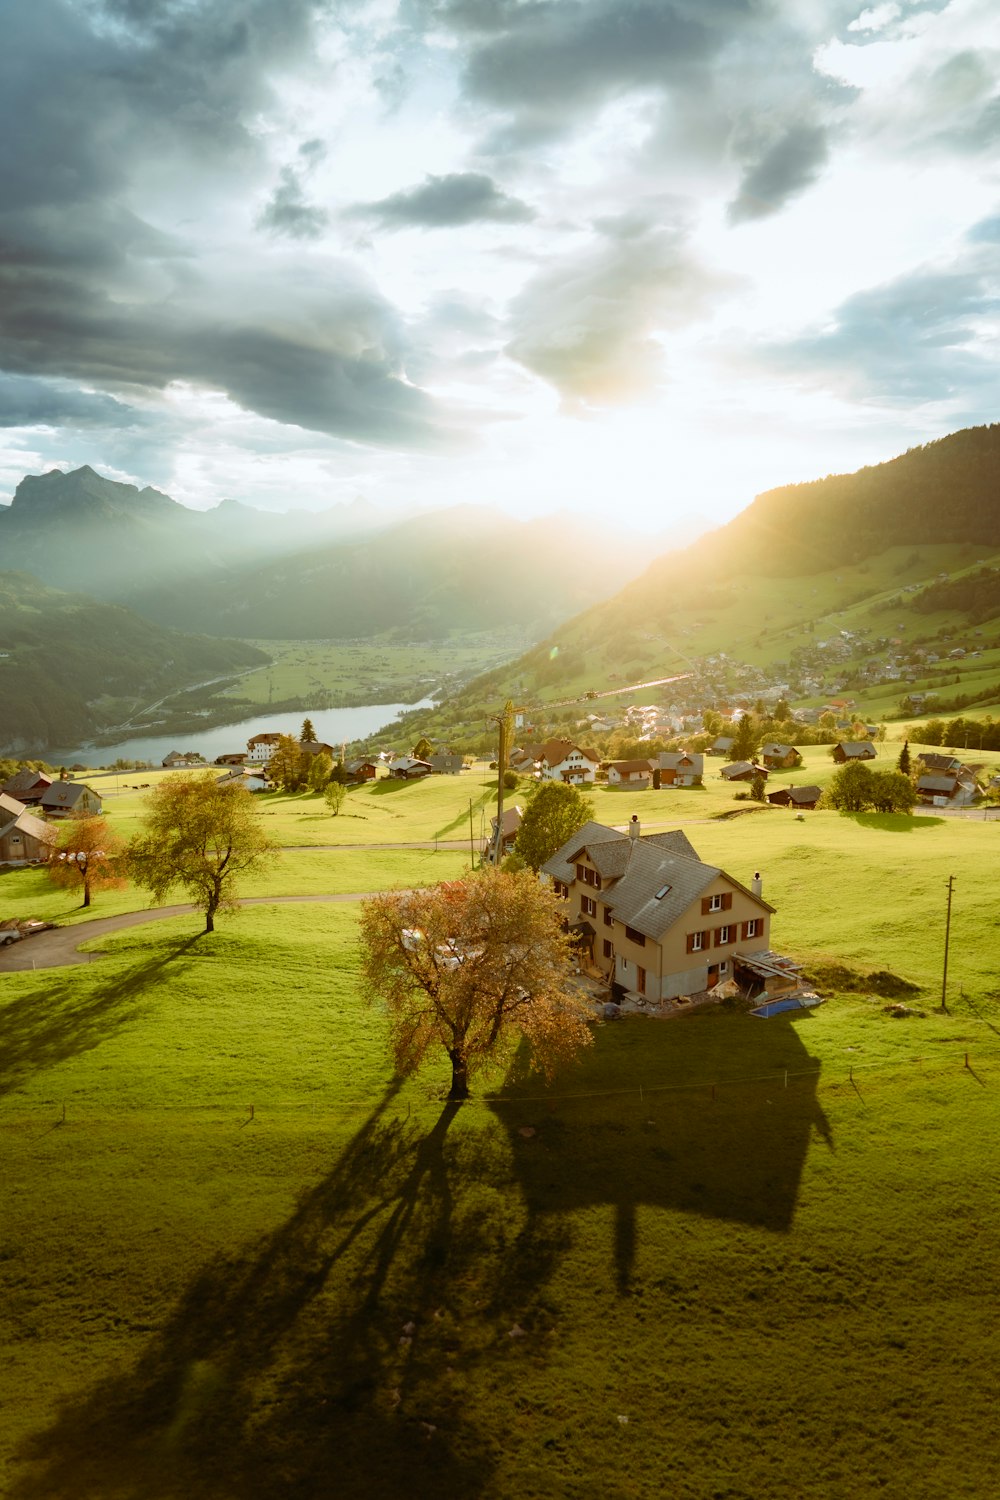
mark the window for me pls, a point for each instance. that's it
(661, 893)
(750, 928)
(640, 979)
(695, 942)
(609, 920)
(724, 966)
(588, 906)
(715, 903)
(635, 937)
(608, 950)
(718, 902)
(723, 935)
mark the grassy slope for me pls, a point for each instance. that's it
(780, 1288)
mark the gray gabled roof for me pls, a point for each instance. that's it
(640, 868)
(66, 793)
(736, 768)
(773, 748)
(944, 784)
(671, 759)
(857, 749)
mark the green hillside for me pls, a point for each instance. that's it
(70, 667)
(815, 585)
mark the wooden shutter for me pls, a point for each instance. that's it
(706, 905)
(717, 935)
(690, 942)
(727, 900)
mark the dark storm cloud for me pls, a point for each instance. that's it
(786, 168)
(289, 212)
(585, 323)
(90, 290)
(443, 202)
(917, 339)
(25, 402)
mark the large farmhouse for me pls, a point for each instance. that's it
(24, 839)
(658, 921)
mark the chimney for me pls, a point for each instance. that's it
(756, 883)
(633, 828)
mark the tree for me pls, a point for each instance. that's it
(87, 855)
(850, 788)
(307, 734)
(552, 816)
(320, 771)
(746, 738)
(203, 837)
(757, 785)
(473, 966)
(335, 794)
(904, 758)
(423, 748)
(289, 765)
(782, 711)
(891, 791)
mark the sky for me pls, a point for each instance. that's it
(632, 260)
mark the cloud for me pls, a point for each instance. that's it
(287, 212)
(786, 168)
(928, 336)
(25, 402)
(590, 324)
(442, 202)
(159, 105)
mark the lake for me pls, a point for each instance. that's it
(332, 725)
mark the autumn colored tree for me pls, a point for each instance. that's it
(289, 765)
(87, 856)
(474, 966)
(203, 837)
(423, 748)
(553, 815)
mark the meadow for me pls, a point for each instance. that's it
(717, 1257)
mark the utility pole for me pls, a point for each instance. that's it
(947, 935)
(472, 847)
(505, 724)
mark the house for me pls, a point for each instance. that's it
(446, 764)
(680, 768)
(637, 774)
(511, 823)
(317, 747)
(260, 748)
(853, 750)
(407, 768)
(798, 797)
(657, 921)
(561, 760)
(253, 781)
(27, 786)
(720, 746)
(742, 770)
(776, 756)
(63, 798)
(231, 758)
(24, 839)
(947, 789)
(362, 770)
(938, 764)
(180, 761)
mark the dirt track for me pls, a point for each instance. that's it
(56, 949)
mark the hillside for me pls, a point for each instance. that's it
(236, 571)
(814, 586)
(70, 667)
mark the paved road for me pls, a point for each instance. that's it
(56, 949)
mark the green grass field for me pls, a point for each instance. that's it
(718, 1257)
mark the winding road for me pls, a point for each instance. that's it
(61, 946)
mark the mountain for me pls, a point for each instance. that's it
(70, 667)
(83, 530)
(858, 550)
(237, 571)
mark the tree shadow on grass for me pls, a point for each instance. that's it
(45, 1026)
(329, 1358)
(716, 1131)
(894, 822)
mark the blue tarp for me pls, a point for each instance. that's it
(775, 1007)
